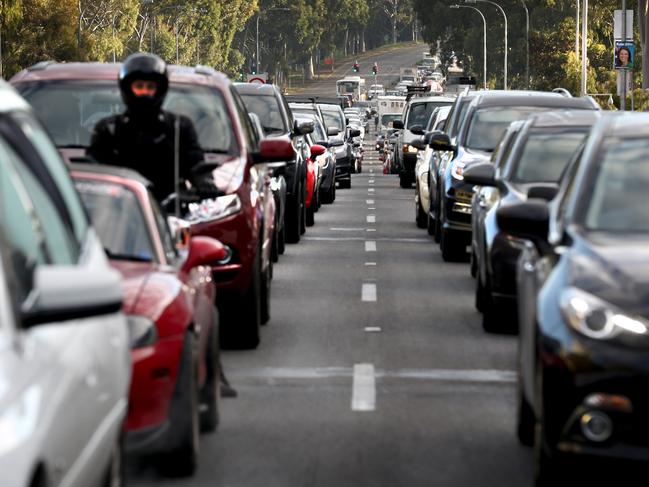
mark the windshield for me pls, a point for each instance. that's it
(420, 113)
(70, 110)
(618, 199)
(117, 217)
(489, 124)
(347, 87)
(545, 156)
(333, 119)
(266, 107)
(389, 118)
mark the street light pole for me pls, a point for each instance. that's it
(506, 48)
(584, 38)
(484, 42)
(527, 45)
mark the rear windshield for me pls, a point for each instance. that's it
(545, 156)
(333, 119)
(266, 107)
(70, 110)
(420, 113)
(488, 125)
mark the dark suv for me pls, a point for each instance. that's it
(268, 103)
(71, 98)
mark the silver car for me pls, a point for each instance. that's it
(64, 344)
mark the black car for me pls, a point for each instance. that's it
(486, 120)
(268, 103)
(583, 294)
(530, 162)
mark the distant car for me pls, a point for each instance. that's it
(65, 365)
(487, 117)
(375, 90)
(88, 92)
(415, 118)
(169, 299)
(584, 321)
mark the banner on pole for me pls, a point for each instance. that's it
(624, 55)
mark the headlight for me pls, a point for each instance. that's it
(142, 331)
(598, 319)
(409, 149)
(214, 209)
(457, 170)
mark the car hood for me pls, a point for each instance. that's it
(613, 267)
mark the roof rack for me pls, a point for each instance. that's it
(563, 92)
(206, 70)
(41, 65)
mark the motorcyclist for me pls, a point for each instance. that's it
(147, 138)
(144, 137)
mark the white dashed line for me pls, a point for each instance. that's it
(346, 229)
(372, 329)
(371, 181)
(364, 388)
(371, 218)
(369, 202)
(370, 246)
(370, 229)
(368, 292)
(371, 208)
(370, 264)
(370, 190)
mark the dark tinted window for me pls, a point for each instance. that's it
(487, 125)
(266, 107)
(544, 157)
(420, 113)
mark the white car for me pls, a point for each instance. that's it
(376, 90)
(64, 344)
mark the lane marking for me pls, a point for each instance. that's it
(371, 208)
(371, 181)
(370, 229)
(371, 218)
(368, 292)
(486, 376)
(370, 246)
(380, 239)
(370, 190)
(372, 329)
(370, 264)
(363, 388)
(369, 202)
(347, 229)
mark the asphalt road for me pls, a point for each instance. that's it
(390, 60)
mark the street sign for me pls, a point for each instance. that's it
(618, 25)
(624, 54)
(261, 78)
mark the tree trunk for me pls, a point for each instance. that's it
(308, 68)
(643, 24)
(345, 42)
(394, 29)
(363, 48)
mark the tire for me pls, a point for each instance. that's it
(182, 459)
(328, 196)
(430, 225)
(281, 241)
(265, 296)
(525, 420)
(310, 216)
(345, 183)
(448, 245)
(115, 472)
(421, 218)
(480, 295)
(496, 318)
(438, 219)
(303, 212)
(293, 221)
(474, 264)
(546, 462)
(211, 392)
(404, 181)
(241, 319)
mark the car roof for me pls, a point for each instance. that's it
(563, 118)
(427, 99)
(48, 71)
(10, 100)
(525, 98)
(627, 124)
(108, 170)
(256, 89)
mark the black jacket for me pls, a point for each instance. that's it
(147, 146)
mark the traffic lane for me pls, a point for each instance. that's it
(295, 432)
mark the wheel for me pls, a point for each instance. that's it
(241, 319)
(281, 241)
(430, 225)
(525, 420)
(474, 264)
(114, 476)
(293, 221)
(496, 317)
(265, 296)
(310, 215)
(182, 459)
(328, 196)
(303, 214)
(546, 463)
(345, 183)
(480, 295)
(438, 219)
(210, 394)
(421, 218)
(333, 190)
(404, 181)
(449, 246)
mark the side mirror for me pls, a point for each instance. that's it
(336, 142)
(346, 121)
(66, 293)
(303, 128)
(274, 150)
(354, 133)
(204, 251)
(429, 135)
(526, 219)
(357, 144)
(441, 142)
(180, 231)
(545, 192)
(397, 124)
(317, 150)
(419, 144)
(333, 131)
(481, 174)
(417, 130)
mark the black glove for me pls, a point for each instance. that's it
(205, 187)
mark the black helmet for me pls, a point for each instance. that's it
(143, 66)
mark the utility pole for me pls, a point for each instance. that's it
(584, 38)
(624, 72)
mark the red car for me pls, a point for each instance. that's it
(169, 300)
(71, 98)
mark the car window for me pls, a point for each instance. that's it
(50, 157)
(247, 129)
(333, 119)
(487, 125)
(267, 109)
(116, 214)
(30, 219)
(544, 156)
(163, 229)
(420, 113)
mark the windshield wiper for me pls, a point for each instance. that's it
(131, 258)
